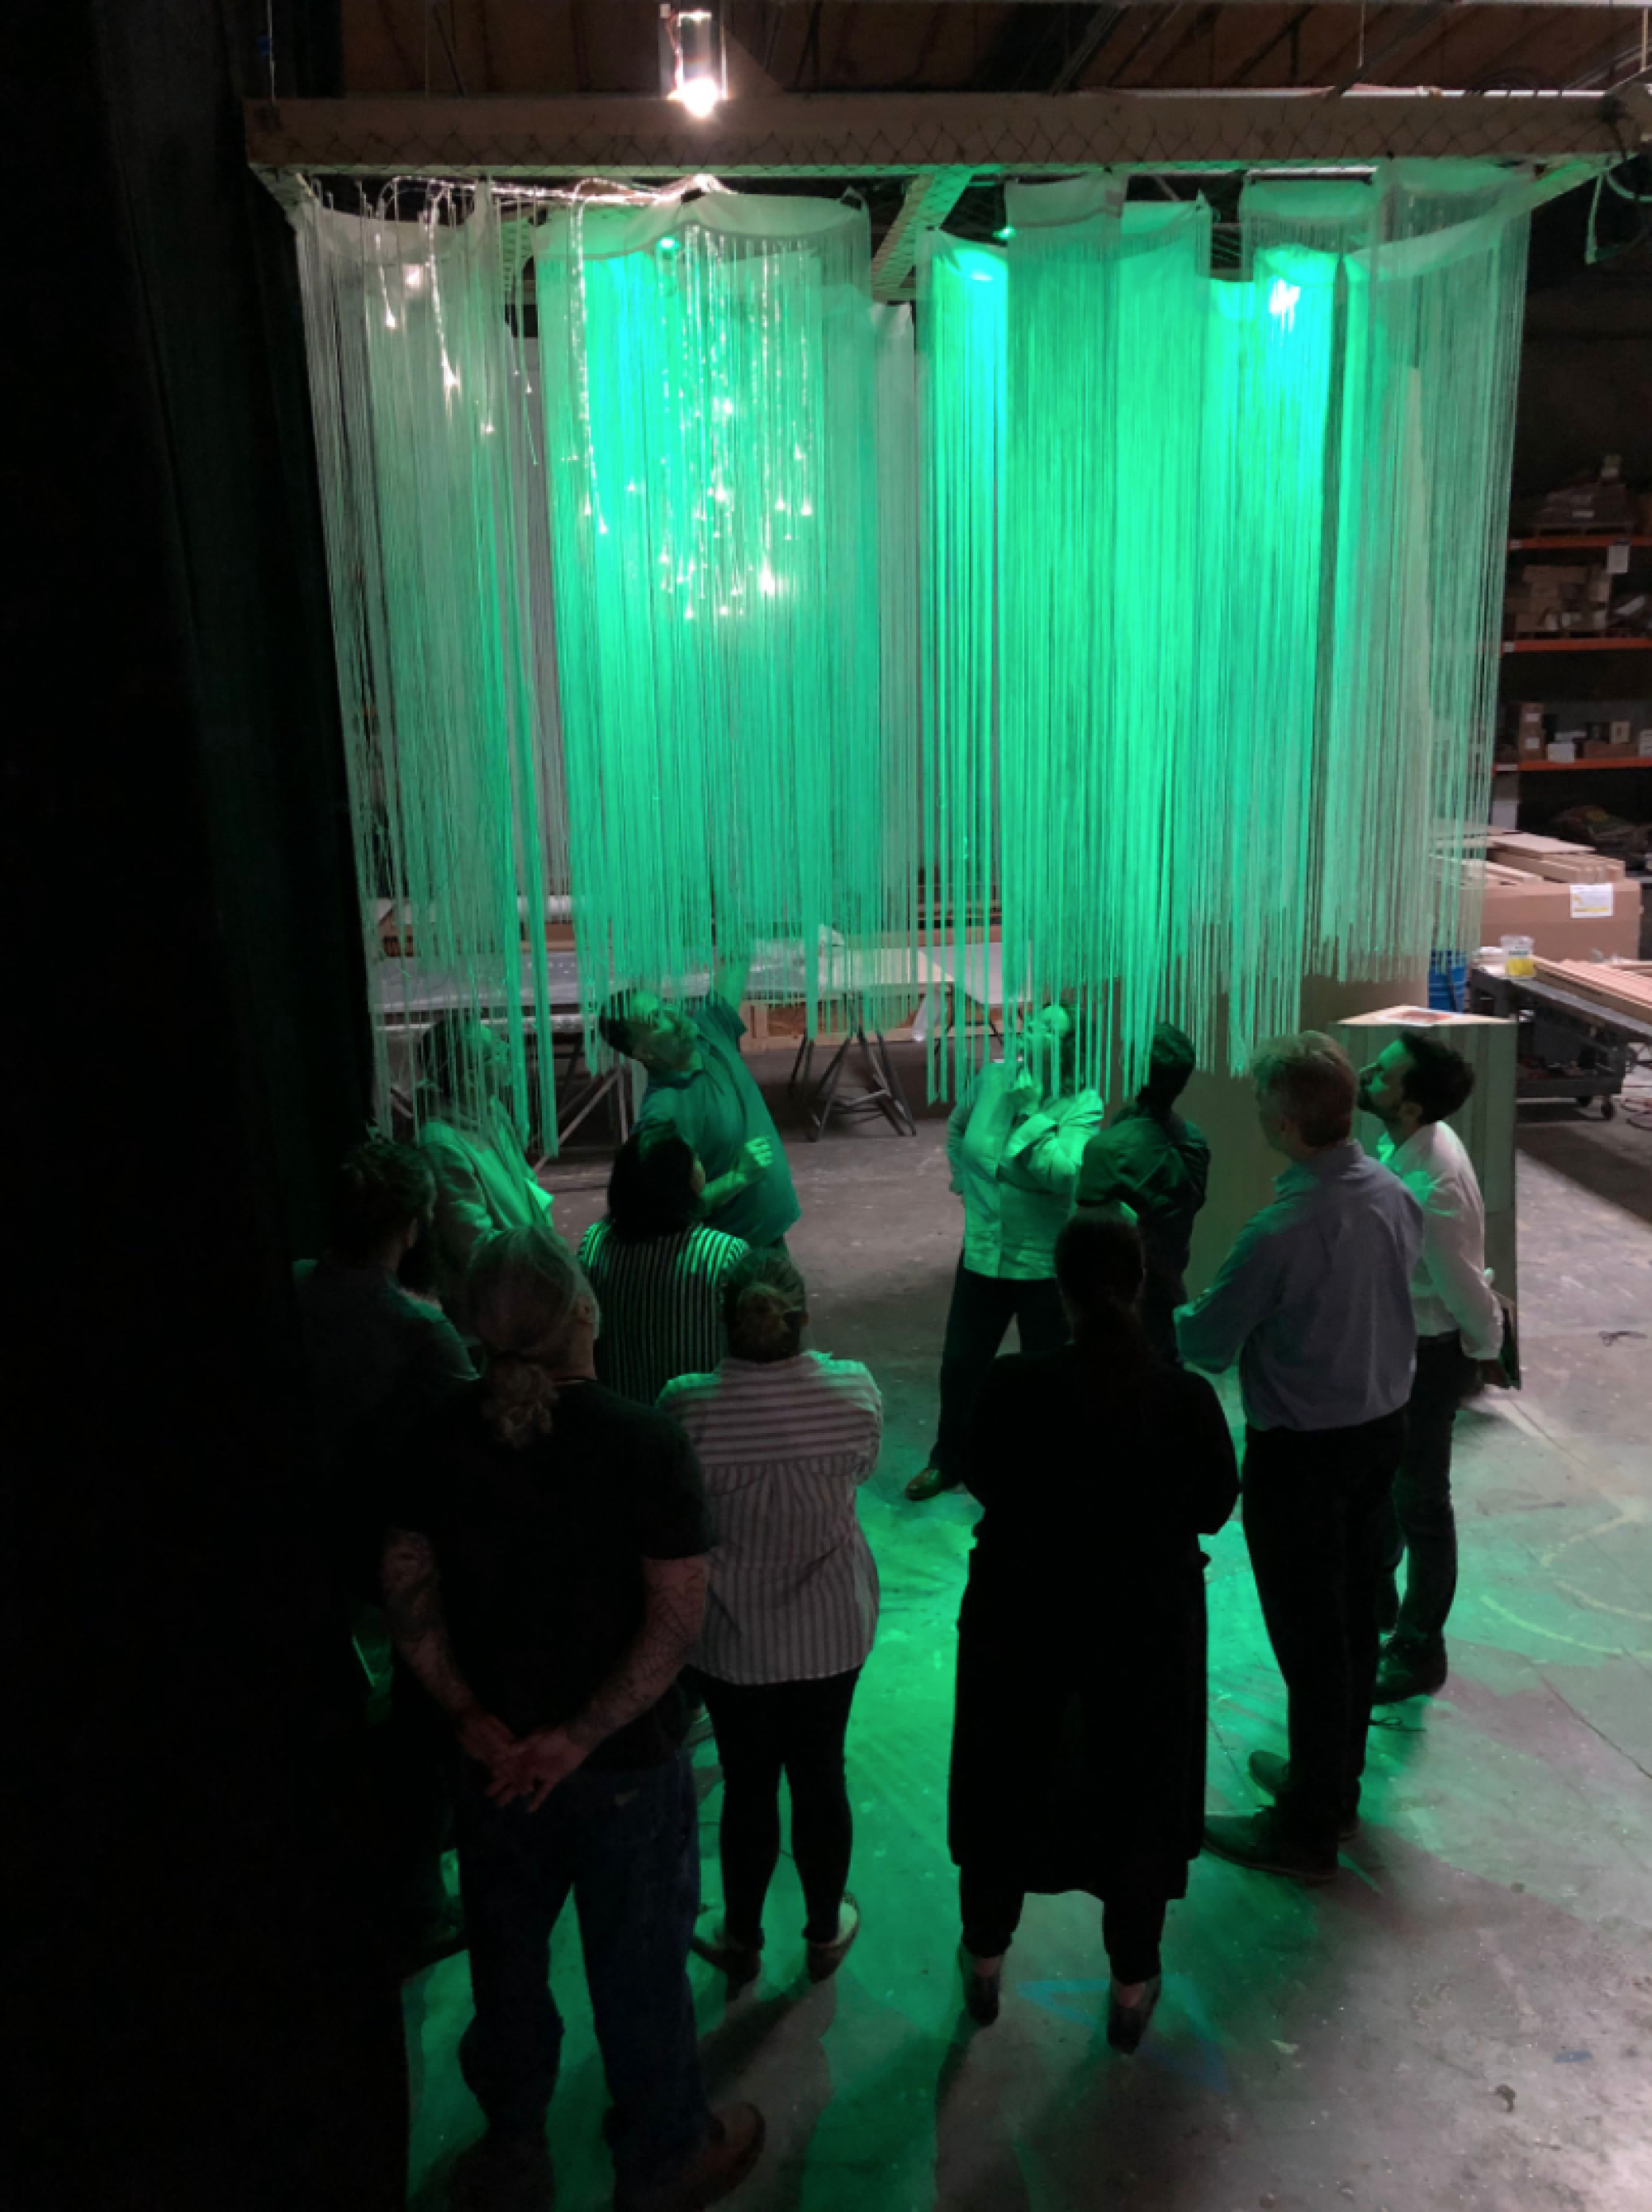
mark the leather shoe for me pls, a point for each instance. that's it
(732, 2150)
(1262, 1841)
(981, 1992)
(824, 1958)
(1127, 2024)
(1405, 1674)
(1271, 1772)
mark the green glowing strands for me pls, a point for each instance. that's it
(1144, 614)
(427, 496)
(735, 732)
(1209, 592)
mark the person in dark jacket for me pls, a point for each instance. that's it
(1151, 1160)
(1079, 1739)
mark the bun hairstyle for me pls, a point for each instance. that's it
(1099, 1269)
(523, 1286)
(1098, 1265)
(763, 1304)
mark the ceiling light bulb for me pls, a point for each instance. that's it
(699, 95)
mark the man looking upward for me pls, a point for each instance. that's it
(699, 1084)
(1158, 1164)
(1411, 1086)
(1314, 1304)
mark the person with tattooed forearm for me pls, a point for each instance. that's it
(545, 1579)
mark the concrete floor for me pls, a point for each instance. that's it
(1463, 2020)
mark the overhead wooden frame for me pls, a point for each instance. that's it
(872, 134)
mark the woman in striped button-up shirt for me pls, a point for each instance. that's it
(784, 1437)
(657, 1268)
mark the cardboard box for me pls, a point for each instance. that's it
(1619, 733)
(1542, 911)
(1562, 752)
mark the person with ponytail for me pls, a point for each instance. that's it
(785, 1438)
(546, 1579)
(1078, 1735)
(657, 1266)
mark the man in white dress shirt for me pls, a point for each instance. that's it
(1411, 1087)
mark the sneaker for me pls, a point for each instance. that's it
(1271, 1772)
(1407, 1674)
(1262, 1841)
(1127, 2024)
(825, 1958)
(732, 2148)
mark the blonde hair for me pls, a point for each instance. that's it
(1311, 1080)
(763, 1303)
(523, 1285)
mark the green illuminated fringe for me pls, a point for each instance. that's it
(419, 421)
(736, 711)
(1210, 600)
(1150, 612)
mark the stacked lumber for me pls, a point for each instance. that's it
(1553, 858)
(1623, 987)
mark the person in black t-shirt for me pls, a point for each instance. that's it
(381, 1365)
(1151, 1160)
(546, 1578)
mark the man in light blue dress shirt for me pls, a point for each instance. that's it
(1313, 1301)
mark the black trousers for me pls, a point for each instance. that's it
(796, 1728)
(1317, 1506)
(977, 1321)
(1133, 1921)
(1422, 1525)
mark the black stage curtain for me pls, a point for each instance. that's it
(201, 2013)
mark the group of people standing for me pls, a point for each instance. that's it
(615, 1486)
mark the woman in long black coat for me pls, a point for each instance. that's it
(1079, 1741)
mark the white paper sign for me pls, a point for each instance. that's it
(1616, 560)
(1590, 899)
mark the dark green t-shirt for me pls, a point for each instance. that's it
(718, 1108)
(540, 1553)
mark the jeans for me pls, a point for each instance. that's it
(1316, 1505)
(1133, 1921)
(764, 1729)
(625, 1841)
(982, 1307)
(1422, 1527)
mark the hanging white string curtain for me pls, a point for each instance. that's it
(734, 711)
(1194, 637)
(423, 453)
(1211, 598)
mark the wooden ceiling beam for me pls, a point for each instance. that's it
(848, 134)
